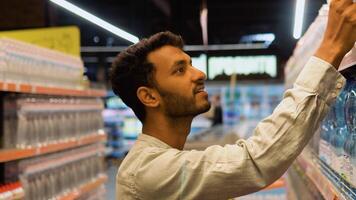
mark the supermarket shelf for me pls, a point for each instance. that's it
(327, 182)
(75, 194)
(314, 173)
(33, 89)
(15, 154)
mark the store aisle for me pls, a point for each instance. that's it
(112, 166)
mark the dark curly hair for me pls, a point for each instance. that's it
(131, 69)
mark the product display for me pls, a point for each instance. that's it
(40, 120)
(58, 174)
(26, 63)
(337, 144)
(52, 131)
(329, 161)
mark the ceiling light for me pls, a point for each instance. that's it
(298, 19)
(96, 20)
(266, 38)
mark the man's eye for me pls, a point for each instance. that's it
(180, 70)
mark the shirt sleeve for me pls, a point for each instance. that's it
(249, 165)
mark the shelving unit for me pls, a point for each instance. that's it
(330, 185)
(35, 89)
(309, 174)
(51, 128)
(15, 154)
(308, 163)
(77, 193)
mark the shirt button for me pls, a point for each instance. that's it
(339, 85)
(333, 95)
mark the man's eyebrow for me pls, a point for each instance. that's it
(178, 63)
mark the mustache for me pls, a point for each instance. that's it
(198, 88)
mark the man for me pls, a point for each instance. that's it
(156, 79)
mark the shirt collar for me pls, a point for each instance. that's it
(153, 141)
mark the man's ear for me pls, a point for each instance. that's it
(148, 96)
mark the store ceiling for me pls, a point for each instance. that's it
(228, 20)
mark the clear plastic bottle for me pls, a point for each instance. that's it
(338, 140)
(327, 131)
(346, 168)
(350, 145)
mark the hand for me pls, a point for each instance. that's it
(340, 34)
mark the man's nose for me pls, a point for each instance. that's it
(198, 75)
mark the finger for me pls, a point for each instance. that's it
(350, 13)
(341, 5)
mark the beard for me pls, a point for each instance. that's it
(181, 106)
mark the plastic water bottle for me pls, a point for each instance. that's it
(338, 140)
(345, 170)
(350, 145)
(327, 131)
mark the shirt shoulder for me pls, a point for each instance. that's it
(126, 181)
(141, 153)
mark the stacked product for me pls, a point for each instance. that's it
(329, 161)
(31, 121)
(337, 146)
(51, 129)
(30, 64)
(58, 174)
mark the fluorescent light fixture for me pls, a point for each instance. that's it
(96, 20)
(266, 38)
(298, 19)
(216, 47)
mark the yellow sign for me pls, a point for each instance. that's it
(64, 39)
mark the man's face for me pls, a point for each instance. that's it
(180, 85)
